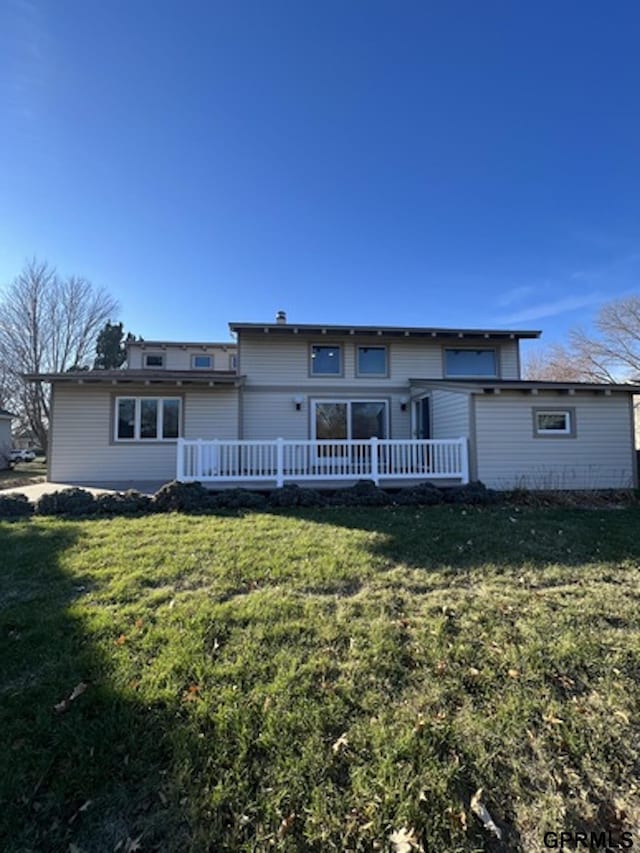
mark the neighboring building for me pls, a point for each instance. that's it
(327, 404)
(5, 438)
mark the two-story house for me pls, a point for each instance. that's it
(330, 404)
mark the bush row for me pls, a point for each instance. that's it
(194, 497)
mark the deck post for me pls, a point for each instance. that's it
(279, 462)
(464, 460)
(198, 472)
(375, 472)
(180, 459)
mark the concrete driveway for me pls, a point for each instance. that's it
(34, 491)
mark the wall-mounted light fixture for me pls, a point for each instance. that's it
(404, 401)
(298, 401)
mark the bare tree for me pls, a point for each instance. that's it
(612, 354)
(47, 325)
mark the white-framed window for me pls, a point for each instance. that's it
(202, 362)
(147, 418)
(349, 419)
(554, 422)
(153, 359)
(469, 363)
(233, 362)
(372, 361)
(326, 360)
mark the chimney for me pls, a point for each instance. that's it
(281, 318)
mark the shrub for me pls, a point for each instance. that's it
(123, 503)
(424, 494)
(237, 499)
(364, 493)
(72, 502)
(472, 493)
(15, 506)
(292, 496)
(182, 497)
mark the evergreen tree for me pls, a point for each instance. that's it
(111, 347)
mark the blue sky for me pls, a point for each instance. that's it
(458, 163)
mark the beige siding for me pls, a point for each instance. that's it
(272, 414)
(272, 360)
(82, 448)
(508, 455)
(449, 414)
(179, 357)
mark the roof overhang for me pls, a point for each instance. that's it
(209, 378)
(183, 344)
(496, 386)
(285, 329)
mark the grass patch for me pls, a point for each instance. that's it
(316, 679)
(24, 474)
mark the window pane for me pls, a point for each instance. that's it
(325, 360)
(170, 418)
(126, 418)
(553, 421)
(148, 418)
(470, 362)
(202, 361)
(154, 360)
(368, 420)
(372, 360)
(331, 420)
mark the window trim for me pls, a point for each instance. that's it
(569, 411)
(233, 361)
(137, 398)
(348, 401)
(496, 359)
(328, 344)
(161, 355)
(195, 355)
(384, 374)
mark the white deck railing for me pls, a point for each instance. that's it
(283, 461)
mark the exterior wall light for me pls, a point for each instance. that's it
(404, 401)
(298, 401)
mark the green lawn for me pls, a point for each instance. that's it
(317, 680)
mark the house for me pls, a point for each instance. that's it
(5, 438)
(331, 404)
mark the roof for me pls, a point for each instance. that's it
(529, 385)
(182, 344)
(384, 331)
(5, 414)
(144, 376)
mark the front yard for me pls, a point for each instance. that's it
(319, 680)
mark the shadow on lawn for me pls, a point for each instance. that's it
(98, 773)
(468, 538)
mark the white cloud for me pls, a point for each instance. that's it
(555, 307)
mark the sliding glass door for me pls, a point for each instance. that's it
(349, 419)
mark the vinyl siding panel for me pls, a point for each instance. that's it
(272, 414)
(82, 449)
(272, 360)
(508, 456)
(450, 414)
(179, 358)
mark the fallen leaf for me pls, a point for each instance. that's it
(514, 673)
(122, 639)
(404, 840)
(132, 844)
(78, 690)
(341, 744)
(473, 672)
(286, 826)
(481, 812)
(139, 623)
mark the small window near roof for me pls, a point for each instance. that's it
(372, 361)
(553, 422)
(153, 360)
(233, 362)
(470, 362)
(325, 361)
(202, 362)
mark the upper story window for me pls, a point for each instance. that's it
(147, 418)
(372, 361)
(202, 362)
(152, 359)
(470, 362)
(326, 361)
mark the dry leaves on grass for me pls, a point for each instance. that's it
(65, 704)
(404, 840)
(481, 812)
(341, 744)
